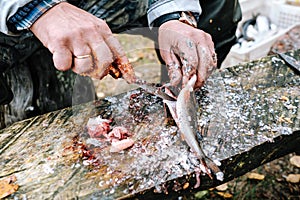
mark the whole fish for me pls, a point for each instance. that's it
(184, 112)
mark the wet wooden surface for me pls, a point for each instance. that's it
(248, 114)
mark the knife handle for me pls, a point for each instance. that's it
(114, 71)
(122, 70)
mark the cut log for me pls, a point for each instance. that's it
(249, 115)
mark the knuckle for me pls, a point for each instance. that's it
(208, 36)
(203, 51)
(192, 34)
(57, 42)
(103, 28)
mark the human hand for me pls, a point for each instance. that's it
(78, 41)
(186, 51)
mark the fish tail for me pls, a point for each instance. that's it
(206, 168)
(215, 169)
(209, 166)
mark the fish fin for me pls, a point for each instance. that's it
(172, 108)
(169, 92)
(209, 166)
(192, 82)
(182, 137)
(206, 168)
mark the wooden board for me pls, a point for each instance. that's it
(248, 114)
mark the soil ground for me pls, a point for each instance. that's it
(273, 183)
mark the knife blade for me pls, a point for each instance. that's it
(290, 61)
(125, 70)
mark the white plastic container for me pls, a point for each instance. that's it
(283, 15)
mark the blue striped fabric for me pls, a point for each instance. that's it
(28, 14)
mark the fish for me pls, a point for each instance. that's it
(183, 110)
(184, 113)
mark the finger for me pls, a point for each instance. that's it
(206, 65)
(102, 58)
(62, 59)
(83, 65)
(121, 58)
(187, 52)
(173, 65)
(211, 48)
(174, 70)
(116, 48)
(209, 42)
(215, 58)
(83, 59)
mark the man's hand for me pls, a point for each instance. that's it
(78, 40)
(186, 51)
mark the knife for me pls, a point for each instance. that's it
(125, 71)
(290, 61)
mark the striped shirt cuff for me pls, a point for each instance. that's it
(28, 14)
(158, 8)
